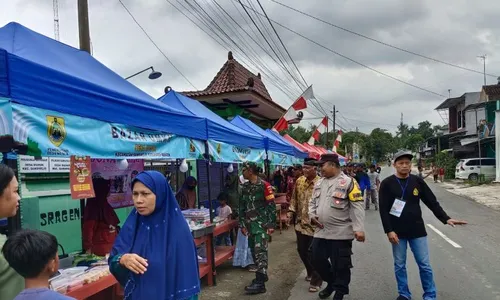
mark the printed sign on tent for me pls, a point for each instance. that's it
(281, 159)
(43, 133)
(120, 173)
(222, 152)
(79, 177)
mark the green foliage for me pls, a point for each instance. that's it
(377, 145)
(448, 162)
(299, 133)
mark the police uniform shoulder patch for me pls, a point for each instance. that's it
(415, 192)
(355, 193)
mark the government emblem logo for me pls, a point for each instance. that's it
(56, 130)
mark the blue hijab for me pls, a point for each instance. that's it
(164, 239)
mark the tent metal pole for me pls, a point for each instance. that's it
(207, 164)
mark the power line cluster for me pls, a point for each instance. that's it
(252, 37)
(383, 43)
(247, 30)
(153, 42)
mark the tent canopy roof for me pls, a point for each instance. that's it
(38, 71)
(273, 142)
(299, 148)
(217, 128)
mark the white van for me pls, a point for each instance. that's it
(470, 168)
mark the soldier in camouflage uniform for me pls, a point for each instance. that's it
(257, 220)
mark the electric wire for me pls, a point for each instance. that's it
(271, 37)
(224, 16)
(209, 19)
(282, 44)
(220, 40)
(381, 42)
(157, 47)
(260, 31)
(354, 61)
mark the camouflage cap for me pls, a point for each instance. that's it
(252, 166)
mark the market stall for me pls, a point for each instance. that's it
(226, 143)
(58, 102)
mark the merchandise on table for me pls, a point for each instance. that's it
(197, 218)
(73, 278)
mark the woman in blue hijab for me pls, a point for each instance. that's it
(154, 256)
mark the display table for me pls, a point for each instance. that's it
(105, 288)
(224, 253)
(206, 268)
(281, 214)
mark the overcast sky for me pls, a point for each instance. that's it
(455, 31)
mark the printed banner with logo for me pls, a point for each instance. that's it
(281, 159)
(222, 152)
(44, 133)
(120, 173)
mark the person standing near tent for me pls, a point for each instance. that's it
(299, 212)
(154, 256)
(11, 283)
(186, 196)
(294, 173)
(100, 222)
(337, 209)
(231, 188)
(257, 221)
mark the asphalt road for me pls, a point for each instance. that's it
(465, 260)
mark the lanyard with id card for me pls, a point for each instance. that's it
(399, 204)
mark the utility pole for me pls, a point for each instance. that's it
(449, 93)
(326, 136)
(83, 25)
(334, 114)
(483, 57)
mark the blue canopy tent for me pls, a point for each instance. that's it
(273, 143)
(37, 71)
(218, 129)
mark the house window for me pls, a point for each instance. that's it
(459, 119)
(463, 118)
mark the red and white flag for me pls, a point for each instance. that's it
(291, 113)
(320, 129)
(338, 140)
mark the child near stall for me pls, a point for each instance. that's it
(33, 255)
(224, 212)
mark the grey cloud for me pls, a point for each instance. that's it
(455, 31)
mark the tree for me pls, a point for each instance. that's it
(425, 129)
(298, 133)
(349, 138)
(379, 144)
(375, 146)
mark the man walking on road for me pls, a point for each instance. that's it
(372, 193)
(336, 208)
(257, 220)
(400, 196)
(299, 212)
(362, 179)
